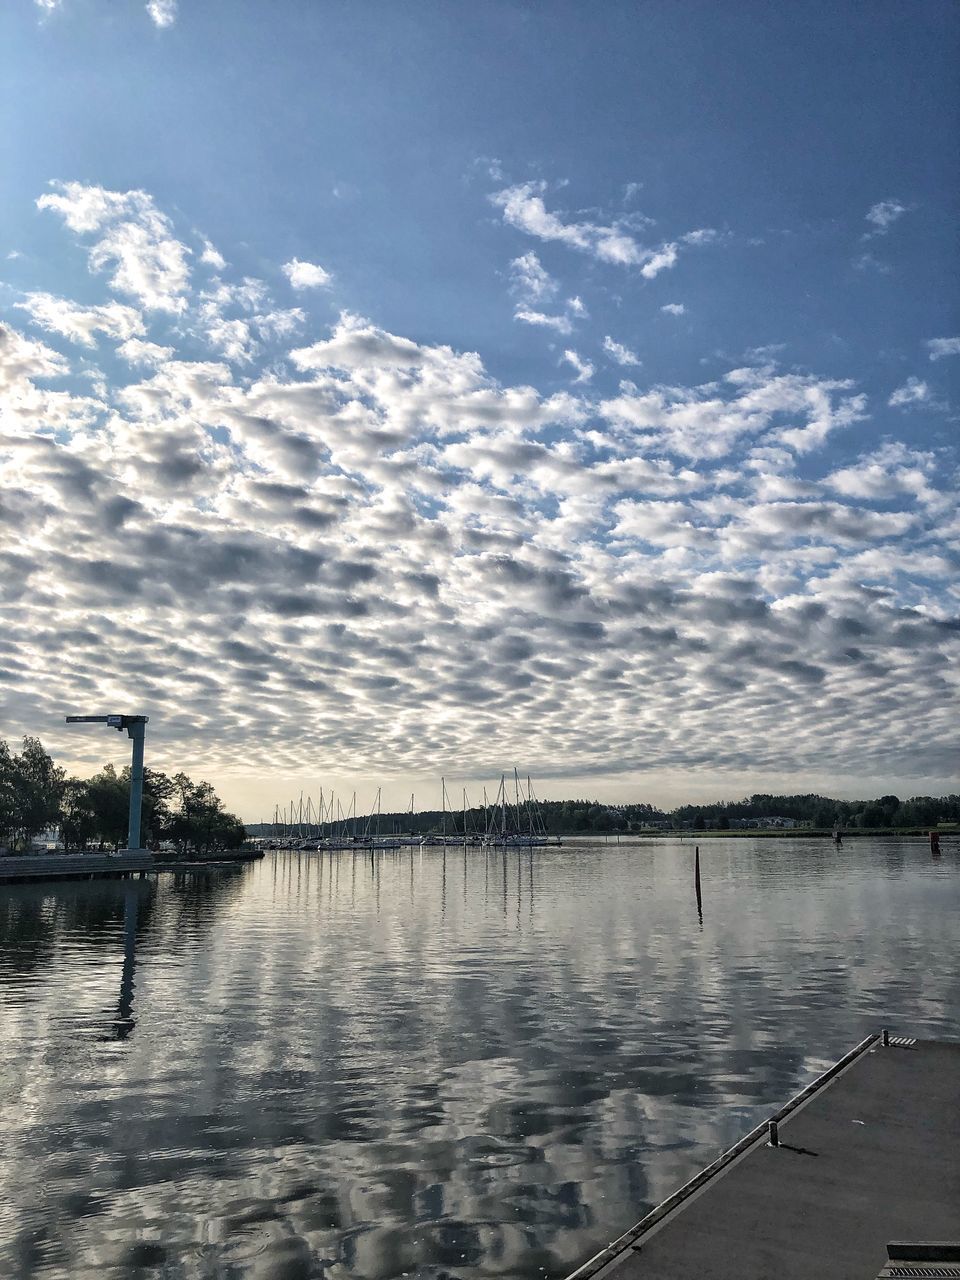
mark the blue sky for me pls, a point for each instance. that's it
(628, 332)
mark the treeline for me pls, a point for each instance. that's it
(821, 811)
(584, 817)
(36, 796)
(569, 817)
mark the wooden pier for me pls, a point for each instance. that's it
(87, 866)
(856, 1177)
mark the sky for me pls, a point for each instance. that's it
(389, 391)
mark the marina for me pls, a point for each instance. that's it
(508, 821)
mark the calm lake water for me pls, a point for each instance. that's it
(428, 1065)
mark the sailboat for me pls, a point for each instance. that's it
(517, 825)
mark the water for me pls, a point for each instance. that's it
(428, 1065)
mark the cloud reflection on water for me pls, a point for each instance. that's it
(425, 1063)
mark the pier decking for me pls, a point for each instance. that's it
(868, 1156)
(83, 866)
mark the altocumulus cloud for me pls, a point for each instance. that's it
(306, 275)
(359, 531)
(523, 207)
(163, 13)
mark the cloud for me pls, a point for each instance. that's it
(659, 260)
(23, 361)
(136, 240)
(561, 324)
(712, 420)
(523, 208)
(621, 354)
(583, 368)
(212, 257)
(673, 308)
(530, 280)
(373, 531)
(889, 473)
(913, 392)
(238, 319)
(306, 275)
(358, 344)
(883, 215)
(80, 324)
(136, 351)
(162, 12)
(86, 208)
(870, 262)
(939, 348)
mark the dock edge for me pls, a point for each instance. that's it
(593, 1266)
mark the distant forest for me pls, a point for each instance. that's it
(584, 817)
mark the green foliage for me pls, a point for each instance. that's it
(198, 820)
(8, 795)
(78, 818)
(35, 794)
(158, 792)
(821, 812)
(31, 787)
(109, 802)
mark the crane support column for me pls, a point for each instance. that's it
(136, 732)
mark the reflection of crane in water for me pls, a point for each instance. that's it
(124, 1022)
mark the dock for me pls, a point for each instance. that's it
(856, 1177)
(86, 866)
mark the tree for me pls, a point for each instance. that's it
(198, 820)
(8, 795)
(158, 791)
(78, 821)
(37, 789)
(873, 815)
(109, 800)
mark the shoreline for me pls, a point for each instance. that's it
(764, 833)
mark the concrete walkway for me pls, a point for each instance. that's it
(872, 1157)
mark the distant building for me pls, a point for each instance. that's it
(46, 842)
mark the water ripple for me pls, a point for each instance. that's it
(434, 1065)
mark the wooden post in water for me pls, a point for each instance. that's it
(696, 882)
